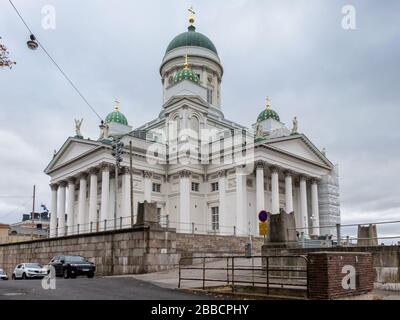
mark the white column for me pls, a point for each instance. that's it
(53, 209)
(105, 195)
(275, 190)
(184, 202)
(288, 192)
(93, 201)
(81, 227)
(110, 222)
(61, 209)
(241, 202)
(303, 205)
(70, 206)
(148, 185)
(225, 225)
(260, 187)
(315, 208)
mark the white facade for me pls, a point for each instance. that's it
(193, 194)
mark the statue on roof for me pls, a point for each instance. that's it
(78, 124)
(295, 125)
(104, 130)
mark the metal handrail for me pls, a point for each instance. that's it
(255, 278)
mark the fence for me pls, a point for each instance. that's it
(265, 272)
(345, 237)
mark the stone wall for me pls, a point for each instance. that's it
(386, 259)
(328, 270)
(214, 244)
(131, 251)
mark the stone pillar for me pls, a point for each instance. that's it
(225, 223)
(93, 201)
(303, 205)
(105, 195)
(148, 185)
(288, 192)
(110, 222)
(185, 201)
(275, 190)
(82, 203)
(53, 209)
(260, 186)
(61, 209)
(70, 206)
(315, 208)
(241, 202)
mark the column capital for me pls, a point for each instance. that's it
(303, 178)
(71, 180)
(105, 166)
(185, 174)
(147, 174)
(53, 186)
(93, 171)
(260, 165)
(63, 184)
(289, 173)
(222, 174)
(274, 169)
(82, 175)
(314, 180)
(124, 170)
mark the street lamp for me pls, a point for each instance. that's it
(32, 43)
(117, 152)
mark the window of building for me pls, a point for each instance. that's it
(159, 215)
(195, 186)
(209, 96)
(214, 186)
(215, 218)
(156, 187)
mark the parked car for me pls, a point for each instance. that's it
(29, 271)
(72, 266)
(3, 275)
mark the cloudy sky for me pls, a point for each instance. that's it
(343, 85)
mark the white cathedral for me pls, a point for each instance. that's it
(205, 173)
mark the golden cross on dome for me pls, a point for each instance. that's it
(192, 15)
(268, 103)
(186, 65)
(117, 105)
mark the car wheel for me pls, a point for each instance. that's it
(66, 274)
(13, 277)
(24, 276)
(90, 275)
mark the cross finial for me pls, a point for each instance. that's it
(268, 104)
(186, 65)
(191, 16)
(117, 105)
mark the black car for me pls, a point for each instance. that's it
(72, 266)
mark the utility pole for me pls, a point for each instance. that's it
(117, 152)
(33, 210)
(131, 176)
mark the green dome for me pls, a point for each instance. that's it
(191, 38)
(117, 117)
(268, 114)
(186, 74)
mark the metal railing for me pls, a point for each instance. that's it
(264, 272)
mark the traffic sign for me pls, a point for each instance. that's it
(263, 228)
(263, 216)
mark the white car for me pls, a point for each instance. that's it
(3, 275)
(29, 271)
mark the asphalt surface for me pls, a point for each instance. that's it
(92, 289)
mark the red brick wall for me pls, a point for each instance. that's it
(325, 274)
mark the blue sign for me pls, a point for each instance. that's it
(263, 216)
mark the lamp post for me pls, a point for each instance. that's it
(117, 152)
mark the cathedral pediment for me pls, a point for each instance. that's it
(178, 100)
(299, 146)
(72, 149)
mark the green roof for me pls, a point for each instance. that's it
(191, 38)
(268, 114)
(186, 74)
(117, 117)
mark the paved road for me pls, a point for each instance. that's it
(92, 289)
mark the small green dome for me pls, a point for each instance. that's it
(191, 38)
(268, 114)
(186, 74)
(117, 117)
